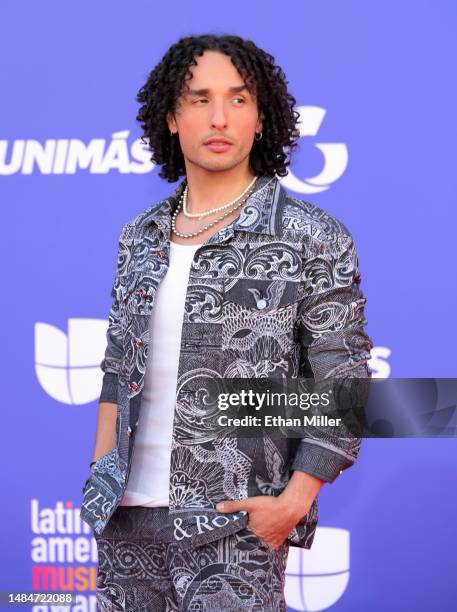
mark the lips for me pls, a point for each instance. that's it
(217, 140)
(217, 145)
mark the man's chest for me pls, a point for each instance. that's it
(240, 305)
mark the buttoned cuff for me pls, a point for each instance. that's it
(109, 388)
(319, 461)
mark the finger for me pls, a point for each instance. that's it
(232, 505)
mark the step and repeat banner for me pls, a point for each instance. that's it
(376, 95)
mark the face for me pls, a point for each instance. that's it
(216, 104)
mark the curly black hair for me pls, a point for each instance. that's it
(263, 79)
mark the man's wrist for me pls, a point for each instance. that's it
(299, 494)
(293, 505)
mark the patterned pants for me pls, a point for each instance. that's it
(137, 573)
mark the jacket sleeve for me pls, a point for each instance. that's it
(333, 344)
(114, 349)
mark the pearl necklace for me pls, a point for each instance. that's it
(212, 210)
(190, 235)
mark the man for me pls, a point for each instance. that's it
(228, 277)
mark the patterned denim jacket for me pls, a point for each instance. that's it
(300, 260)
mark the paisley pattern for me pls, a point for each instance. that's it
(273, 294)
(137, 572)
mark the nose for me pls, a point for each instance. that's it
(218, 116)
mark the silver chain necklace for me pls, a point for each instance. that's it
(212, 210)
(207, 226)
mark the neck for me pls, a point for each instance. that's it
(208, 190)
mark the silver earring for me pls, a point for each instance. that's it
(255, 137)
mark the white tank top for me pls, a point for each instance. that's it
(149, 478)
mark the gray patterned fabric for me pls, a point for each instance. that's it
(273, 294)
(139, 572)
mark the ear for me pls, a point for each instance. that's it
(260, 122)
(171, 122)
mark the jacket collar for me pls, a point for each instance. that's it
(261, 213)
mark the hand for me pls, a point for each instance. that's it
(269, 517)
(273, 518)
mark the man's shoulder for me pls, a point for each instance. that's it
(135, 224)
(312, 222)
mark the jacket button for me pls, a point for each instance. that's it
(104, 516)
(161, 254)
(133, 386)
(138, 342)
(261, 303)
(129, 431)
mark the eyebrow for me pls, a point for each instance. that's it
(205, 90)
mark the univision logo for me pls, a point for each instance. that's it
(68, 365)
(316, 578)
(335, 155)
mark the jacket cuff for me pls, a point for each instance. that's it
(319, 461)
(109, 388)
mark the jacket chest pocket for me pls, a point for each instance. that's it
(258, 317)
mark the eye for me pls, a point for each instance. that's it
(200, 100)
(242, 99)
